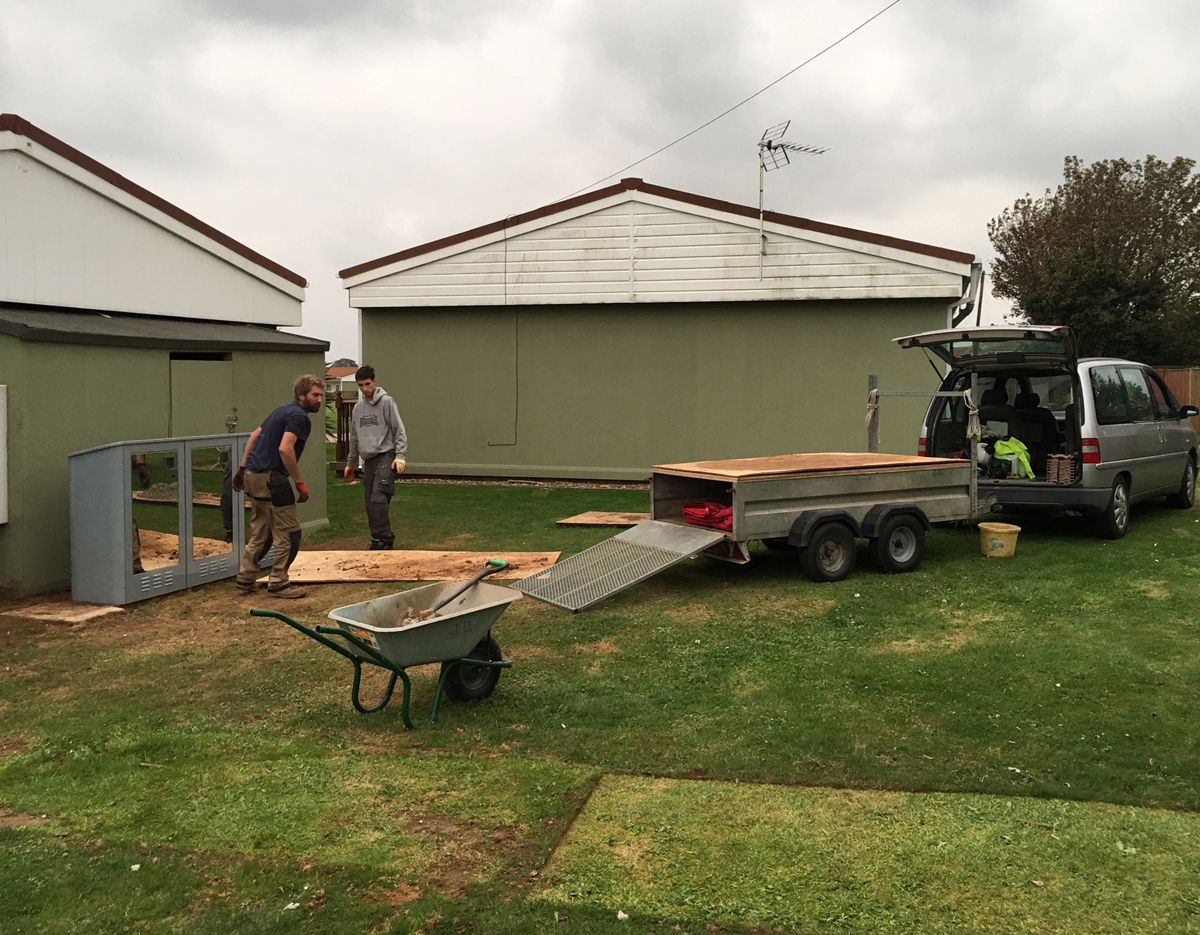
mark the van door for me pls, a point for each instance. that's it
(1176, 432)
(1154, 470)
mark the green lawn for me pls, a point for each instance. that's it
(981, 745)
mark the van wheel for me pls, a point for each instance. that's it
(900, 544)
(830, 553)
(1114, 521)
(1185, 496)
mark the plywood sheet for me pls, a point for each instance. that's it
(161, 549)
(313, 567)
(200, 498)
(63, 611)
(826, 462)
(600, 518)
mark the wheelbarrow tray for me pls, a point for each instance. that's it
(451, 634)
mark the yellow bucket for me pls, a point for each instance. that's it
(998, 540)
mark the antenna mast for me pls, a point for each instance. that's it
(773, 152)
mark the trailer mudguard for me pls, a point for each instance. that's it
(805, 523)
(879, 514)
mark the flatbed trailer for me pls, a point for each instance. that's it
(816, 503)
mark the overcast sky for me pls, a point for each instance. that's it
(323, 134)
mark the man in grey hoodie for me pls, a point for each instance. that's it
(377, 434)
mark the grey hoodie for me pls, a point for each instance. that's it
(375, 428)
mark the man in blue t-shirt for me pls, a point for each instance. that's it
(270, 463)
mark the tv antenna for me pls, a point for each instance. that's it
(773, 152)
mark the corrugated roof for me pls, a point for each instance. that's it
(22, 127)
(702, 201)
(75, 326)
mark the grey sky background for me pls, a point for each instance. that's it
(323, 135)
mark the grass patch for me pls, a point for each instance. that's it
(825, 860)
(185, 730)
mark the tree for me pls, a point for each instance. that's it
(1113, 252)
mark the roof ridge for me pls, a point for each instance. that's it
(673, 194)
(22, 127)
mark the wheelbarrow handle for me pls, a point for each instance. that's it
(492, 566)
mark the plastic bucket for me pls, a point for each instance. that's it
(998, 540)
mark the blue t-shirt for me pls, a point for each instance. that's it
(290, 417)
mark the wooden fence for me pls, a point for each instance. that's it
(1185, 385)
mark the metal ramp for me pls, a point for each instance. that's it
(617, 563)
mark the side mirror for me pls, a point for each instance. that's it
(1186, 412)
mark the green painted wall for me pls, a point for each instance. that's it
(64, 398)
(607, 391)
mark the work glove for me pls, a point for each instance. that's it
(302, 490)
(239, 480)
(399, 465)
(143, 474)
(348, 472)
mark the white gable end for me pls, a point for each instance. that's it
(68, 238)
(641, 247)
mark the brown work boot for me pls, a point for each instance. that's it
(245, 587)
(287, 592)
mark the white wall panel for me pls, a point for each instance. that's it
(642, 248)
(62, 243)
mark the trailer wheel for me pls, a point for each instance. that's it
(830, 553)
(465, 682)
(900, 545)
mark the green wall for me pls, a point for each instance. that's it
(65, 397)
(607, 391)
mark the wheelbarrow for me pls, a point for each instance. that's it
(449, 622)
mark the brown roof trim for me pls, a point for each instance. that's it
(701, 201)
(23, 127)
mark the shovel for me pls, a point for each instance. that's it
(493, 565)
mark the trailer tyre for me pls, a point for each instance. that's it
(830, 554)
(900, 544)
(465, 682)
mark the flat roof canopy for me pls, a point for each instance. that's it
(74, 326)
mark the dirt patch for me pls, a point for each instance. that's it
(1155, 590)
(691, 613)
(599, 648)
(457, 542)
(399, 895)
(945, 642)
(12, 746)
(465, 853)
(10, 819)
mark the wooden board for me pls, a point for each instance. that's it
(598, 518)
(314, 567)
(63, 611)
(826, 462)
(161, 549)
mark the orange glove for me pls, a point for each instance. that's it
(302, 488)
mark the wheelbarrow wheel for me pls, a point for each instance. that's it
(465, 682)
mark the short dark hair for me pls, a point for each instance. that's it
(365, 372)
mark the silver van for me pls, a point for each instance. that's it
(1100, 434)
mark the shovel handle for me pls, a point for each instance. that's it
(493, 565)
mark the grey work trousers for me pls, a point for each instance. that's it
(278, 525)
(379, 483)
